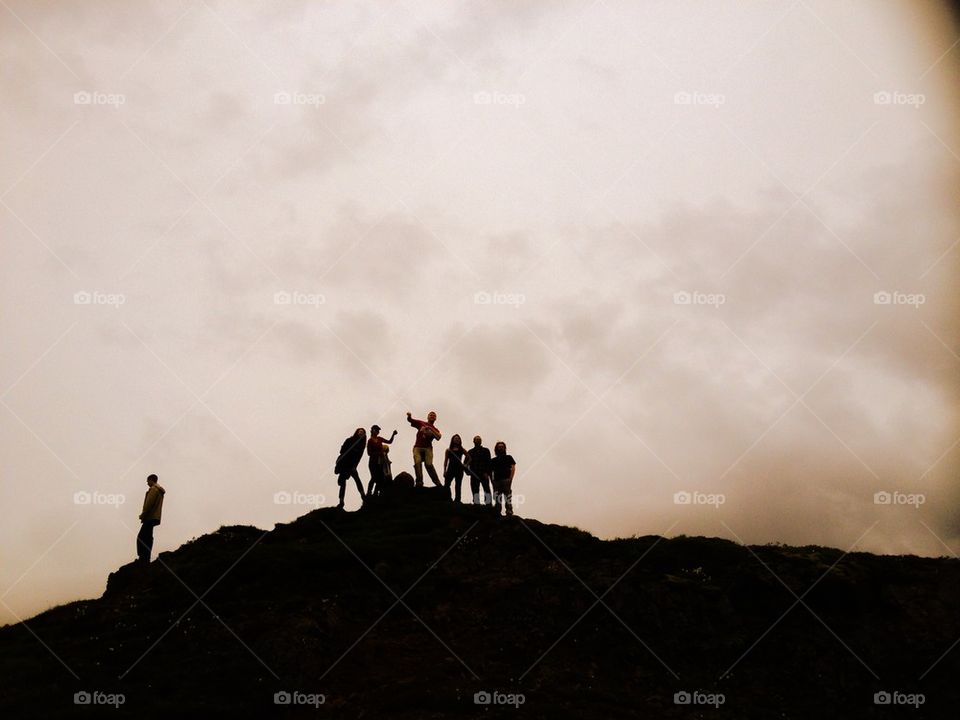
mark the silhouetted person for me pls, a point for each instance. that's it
(453, 465)
(379, 462)
(351, 453)
(423, 447)
(502, 467)
(478, 465)
(149, 518)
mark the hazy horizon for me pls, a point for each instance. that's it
(676, 248)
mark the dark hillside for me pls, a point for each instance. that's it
(488, 604)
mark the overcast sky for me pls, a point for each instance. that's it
(642, 243)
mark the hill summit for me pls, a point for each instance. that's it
(427, 609)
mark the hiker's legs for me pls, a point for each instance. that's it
(496, 495)
(356, 478)
(145, 541)
(485, 481)
(431, 470)
(376, 479)
(458, 479)
(507, 487)
(342, 482)
(418, 465)
(475, 488)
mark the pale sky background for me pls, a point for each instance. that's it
(583, 188)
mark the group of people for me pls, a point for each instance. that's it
(494, 474)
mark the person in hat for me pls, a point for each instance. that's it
(379, 462)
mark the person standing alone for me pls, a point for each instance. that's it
(149, 518)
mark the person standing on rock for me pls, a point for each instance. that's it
(423, 447)
(453, 466)
(351, 453)
(503, 467)
(149, 518)
(478, 465)
(379, 464)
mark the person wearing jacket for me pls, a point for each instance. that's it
(149, 518)
(478, 466)
(351, 453)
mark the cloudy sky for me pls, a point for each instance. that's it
(658, 248)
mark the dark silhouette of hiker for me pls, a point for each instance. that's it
(502, 468)
(379, 462)
(351, 453)
(423, 447)
(149, 518)
(478, 465)
(453, 466)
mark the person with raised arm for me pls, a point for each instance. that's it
(427, 432)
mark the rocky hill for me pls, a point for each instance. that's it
(424, 609)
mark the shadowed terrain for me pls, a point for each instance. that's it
(579, 626)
